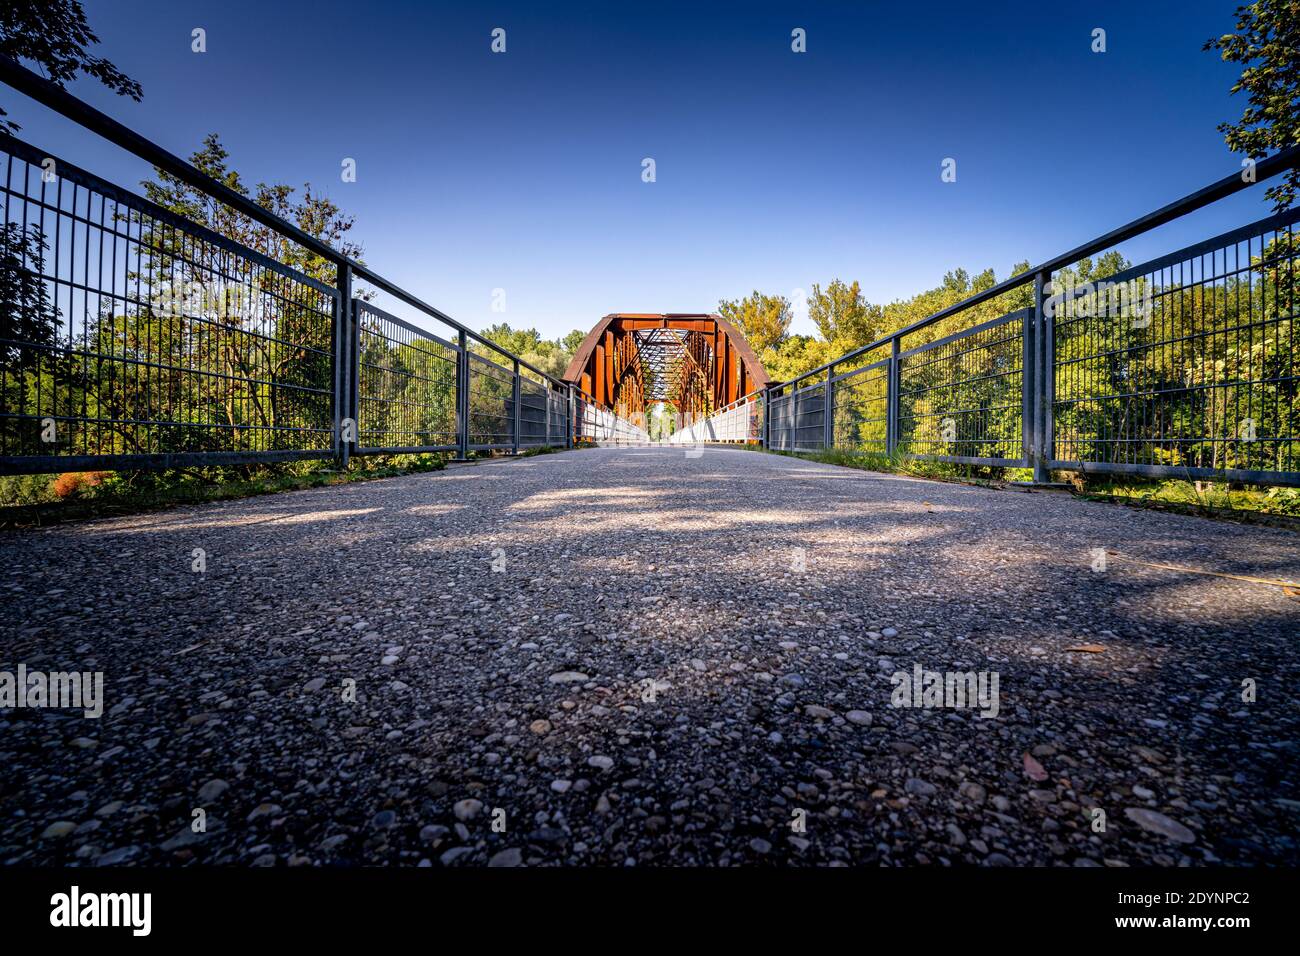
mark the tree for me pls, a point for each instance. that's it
(764, 320)
(571, 342)
(549, 355)
(795, 355)
(843, 317)
(34, 371)
(54, 35)
(314, 214)
(262, 342)
(1267, 44)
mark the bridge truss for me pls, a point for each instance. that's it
(695, 363)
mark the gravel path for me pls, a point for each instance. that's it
(612, 656)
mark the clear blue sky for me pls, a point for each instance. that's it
(775, 170)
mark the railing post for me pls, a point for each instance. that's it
(571, 428)
(1029, 387)
(794, 420)
(462, 399)
(515, 419)
(345, 371)
(892, 380)
(828, 410)
(765, 434)
(1044, 379)
(546, 439)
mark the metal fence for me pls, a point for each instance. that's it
(1200, 380)
(132, 337)
(600, 426)
(409, 394)
(1183, 366)
(740, 422)
(406, 394)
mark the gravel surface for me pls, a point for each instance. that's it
(623, 656)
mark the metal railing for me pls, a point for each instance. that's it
(741, 422)
(597, 425)
(132, 337)
(1184, 366)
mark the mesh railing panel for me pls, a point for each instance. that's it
(406, 385)
(136, 338)
(1186, 362)
(960, 397)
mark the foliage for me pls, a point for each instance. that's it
(313, 213)
(843, 317)
(77, 482)
(1213, 497)
(661, 422)
(54, 35)
(1267, 44)
(550, 355)
(764, 320)
(33, 499)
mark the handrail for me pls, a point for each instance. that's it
(1267, 168)
(49, 94)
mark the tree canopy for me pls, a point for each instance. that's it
(1267, 45)
(764, 320)
(54, 35)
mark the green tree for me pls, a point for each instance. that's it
(571, 342)
(796, 355)
(843, 317)
(54, 35)
(34, 370)
(313, 213)
(1267, 45)
(764, 320)
(549, 355)
(224, 340)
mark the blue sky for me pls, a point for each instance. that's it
(522, 171)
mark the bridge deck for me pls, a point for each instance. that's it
(635, 565)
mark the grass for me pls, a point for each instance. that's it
(897, 464)
(1218, 499)
(1222, 500)
(36, 500)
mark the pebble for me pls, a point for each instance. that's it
(467, 809)
(58, 830)
(569, 677)
(212, 789)
(454, 854)
(1154, 822)
(508, 857)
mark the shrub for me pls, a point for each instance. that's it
(26, 489)
(72, 483)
